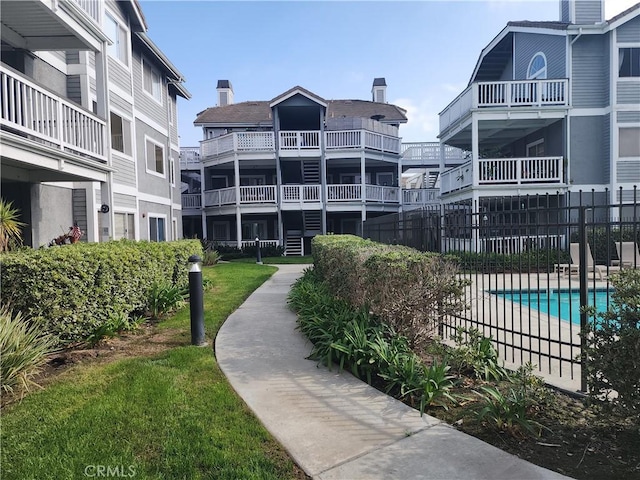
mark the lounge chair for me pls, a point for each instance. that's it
(628, 254)
(600, 270)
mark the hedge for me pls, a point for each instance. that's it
(69, 291)
(407, 289)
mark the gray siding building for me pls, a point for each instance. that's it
(88, 125)
(551, 107)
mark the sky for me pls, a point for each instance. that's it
(426, 50)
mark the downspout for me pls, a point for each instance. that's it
(173, 171)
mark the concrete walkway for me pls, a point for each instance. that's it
(333, 425)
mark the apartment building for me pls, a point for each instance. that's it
(288, 168)
(88, 125)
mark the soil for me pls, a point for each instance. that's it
(578, 440)
(575, 438)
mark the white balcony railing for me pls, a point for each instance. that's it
(353, 193)
(456, 178)
(509, 94)
(420, 196)
(190, 158)
(191, 200)
(291, 141)
(377, 193)
(520, 170)
(259, 194)
(504, 171)
(300, 193)
(431, 152)
(360, 139)
(237, 142)
(90, 7)
(46, 117)
(299, 140)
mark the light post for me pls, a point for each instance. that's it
(258, 254)
(196, 304)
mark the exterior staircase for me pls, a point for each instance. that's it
(312, 222)
(294, 245)
(311, 171)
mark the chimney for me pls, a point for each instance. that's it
(582, 12)
(225, 93)
(379, 90)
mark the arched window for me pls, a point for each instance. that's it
(537, 67)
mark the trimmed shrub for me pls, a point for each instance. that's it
(613, 347)
(23, 350)
(71, 291)
(408, 290)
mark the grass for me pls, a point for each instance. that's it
(172, 415)
(306, 259)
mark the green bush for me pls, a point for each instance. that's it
(538, 260)
(71, 291)
(475, 354)
(613, 347)
(408, 290)
(354, 339)
(163, 298)
(22, 350)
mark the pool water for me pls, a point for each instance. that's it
(562, 303)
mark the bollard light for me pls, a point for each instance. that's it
(196, 302)
(258, 254)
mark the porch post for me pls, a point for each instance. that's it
(106, 218)
(362, 178)
(475, 145)
(238, 227)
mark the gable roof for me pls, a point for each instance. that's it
(258, 113)
(295, 91)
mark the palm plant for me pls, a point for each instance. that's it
(10, 227)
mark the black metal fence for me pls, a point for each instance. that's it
(532, 262)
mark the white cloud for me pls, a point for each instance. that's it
(423, 123)
(614, 7)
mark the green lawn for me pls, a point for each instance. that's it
(307, 259)
(170, 416)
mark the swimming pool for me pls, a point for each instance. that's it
(562, 303)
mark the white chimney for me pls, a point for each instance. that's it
(225, 93)
(379, 90)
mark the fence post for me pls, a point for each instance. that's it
(582, 238)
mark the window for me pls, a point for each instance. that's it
(151, 81)
(157, 229)
(629, 142)
(155, 157)
(118, 35)
(120, 134)
(251, 230)
(221, 231)
(385, 179)
(536, 149)
(172, 169)
(629, 62)
(124, 226)
(537, 67)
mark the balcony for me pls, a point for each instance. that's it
(238, 142)
(418, 197)
(300, 194)
(361, 139)
(191, 200)
(429, 153)
(259, 194)
(510, 94)
(353, 193)
(504, 171)
(190, 158)
(299, 143)
(38, 114)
